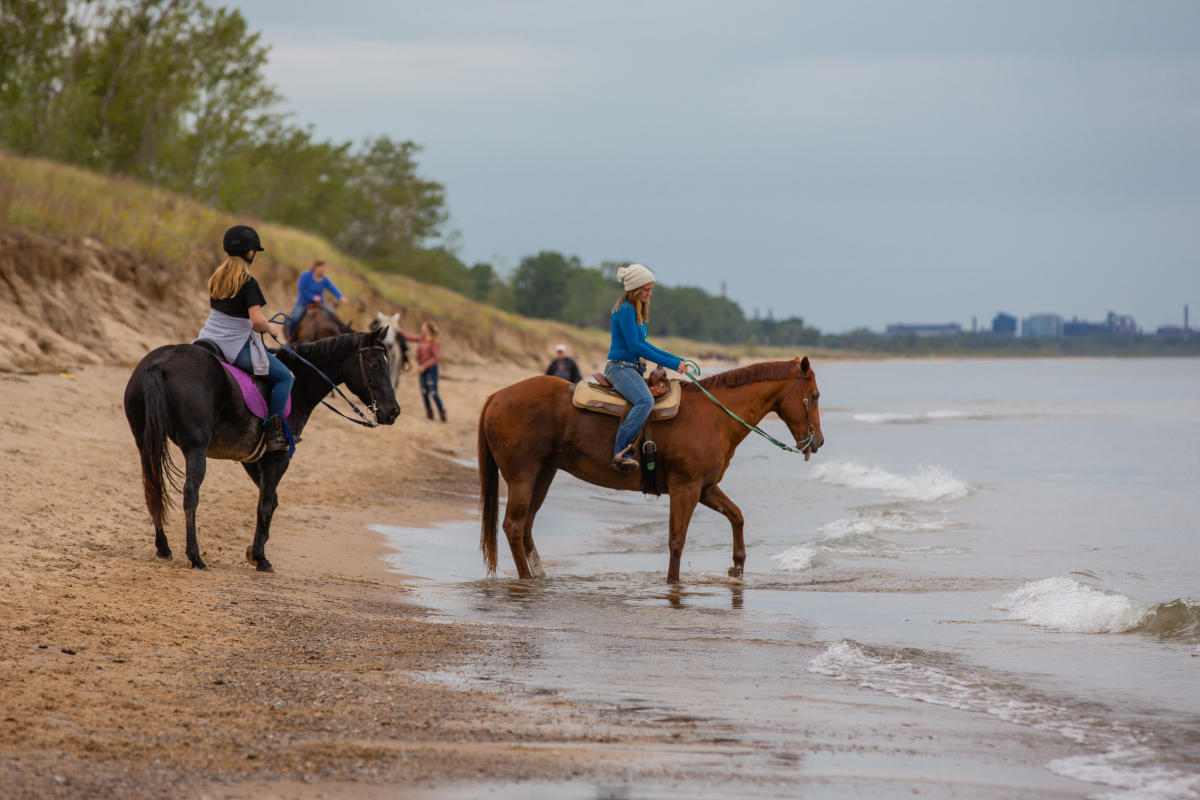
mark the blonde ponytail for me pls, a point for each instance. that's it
(228, 279)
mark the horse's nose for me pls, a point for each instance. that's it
(389, 416)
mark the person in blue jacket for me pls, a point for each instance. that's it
(311, 288)
(627, 356)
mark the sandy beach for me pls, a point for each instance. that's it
(125, 675)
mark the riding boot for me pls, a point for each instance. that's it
(276, 439)
(442, 411)
(624, 460)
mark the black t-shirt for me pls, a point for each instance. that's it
(239, 305)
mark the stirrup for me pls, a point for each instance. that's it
(275, 438)
(624, 462)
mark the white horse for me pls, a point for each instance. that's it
(397, 348)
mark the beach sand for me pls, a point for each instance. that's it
(122, 674)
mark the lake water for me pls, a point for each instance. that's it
(987, 583)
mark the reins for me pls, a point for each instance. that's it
(753, 428)
(367, 423)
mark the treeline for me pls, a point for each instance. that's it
(552, 286)
(172, 93)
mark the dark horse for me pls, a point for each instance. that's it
(182, 392)
(317, 322)
(530, 430)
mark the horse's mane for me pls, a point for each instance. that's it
(328, 347)
(752, 373)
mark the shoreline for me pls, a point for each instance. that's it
(122, 674)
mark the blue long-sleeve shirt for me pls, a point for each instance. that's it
(309, 287)
(629, 341)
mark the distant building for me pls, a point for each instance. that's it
(1004, 324)
(1121, 324)
(949, 329)
(1042, 326)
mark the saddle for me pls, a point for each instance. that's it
(254, 388)
(598, 395)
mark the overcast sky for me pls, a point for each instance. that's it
(851, 163)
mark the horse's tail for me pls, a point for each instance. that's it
(489, 496)
(158, 468)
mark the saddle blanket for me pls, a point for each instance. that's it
(255, 402)
(593, 397)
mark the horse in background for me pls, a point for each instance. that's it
(318, 322)
(530, 430)
(183, 393)
(396, 345)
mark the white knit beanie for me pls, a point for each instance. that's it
(634, 276)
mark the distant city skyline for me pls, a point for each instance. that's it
(854, 164)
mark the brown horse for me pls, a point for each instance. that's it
(318, 322)
(530, 430)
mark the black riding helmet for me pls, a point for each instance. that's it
(241, 239)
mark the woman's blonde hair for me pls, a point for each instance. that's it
(432, 327)
(642, 309)
(228, 279)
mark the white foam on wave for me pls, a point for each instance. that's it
(896, 417)
(928, 484)
(874, 521)
(796, 559)
(1064, 604)
(1121, 759)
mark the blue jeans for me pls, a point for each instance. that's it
(279, 376)
(627, 379)
(294, 317)
(429, 389)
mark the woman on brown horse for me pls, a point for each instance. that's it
(627, 356)
(235, 314)
(530, 430)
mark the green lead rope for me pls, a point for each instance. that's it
(754, 428)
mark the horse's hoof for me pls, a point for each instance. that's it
(165, 555)
(735, 572)
(198, 564)
(264, 566)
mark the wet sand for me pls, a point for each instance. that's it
(124, 675)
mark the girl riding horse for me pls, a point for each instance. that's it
(235, 314)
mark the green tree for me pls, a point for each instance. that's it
(540, 284)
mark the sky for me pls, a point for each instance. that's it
(852, 163)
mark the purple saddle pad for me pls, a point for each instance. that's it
(254, 398)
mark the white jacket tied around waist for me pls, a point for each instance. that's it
(230, 334)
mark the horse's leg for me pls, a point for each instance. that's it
(718, 501)
(197, 462)
(683, 503)
(268, 478)
(540, 487)
(160, 542)
(516, 514)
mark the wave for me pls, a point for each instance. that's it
(902, 418)
(928, 484)
(860, 536)
(1064, 604)
(1121, 760)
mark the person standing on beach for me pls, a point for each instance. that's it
(627, 357)
(429, 349)
(311, 288)
(563, 366)
(235, 314)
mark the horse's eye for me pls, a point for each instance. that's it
(816, 396)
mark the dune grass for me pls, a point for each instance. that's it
(65, 201)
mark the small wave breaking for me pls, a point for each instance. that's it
(1066, 605)
(928, 484)
(863, 535)
(1122, 758)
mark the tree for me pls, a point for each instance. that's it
(540, 284)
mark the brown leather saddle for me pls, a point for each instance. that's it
(597, 394)
(656, 381)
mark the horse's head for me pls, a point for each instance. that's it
(368, 376)
(798, 408)
(390, 323)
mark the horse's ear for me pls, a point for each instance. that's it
(804, 366)
(378, 333)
